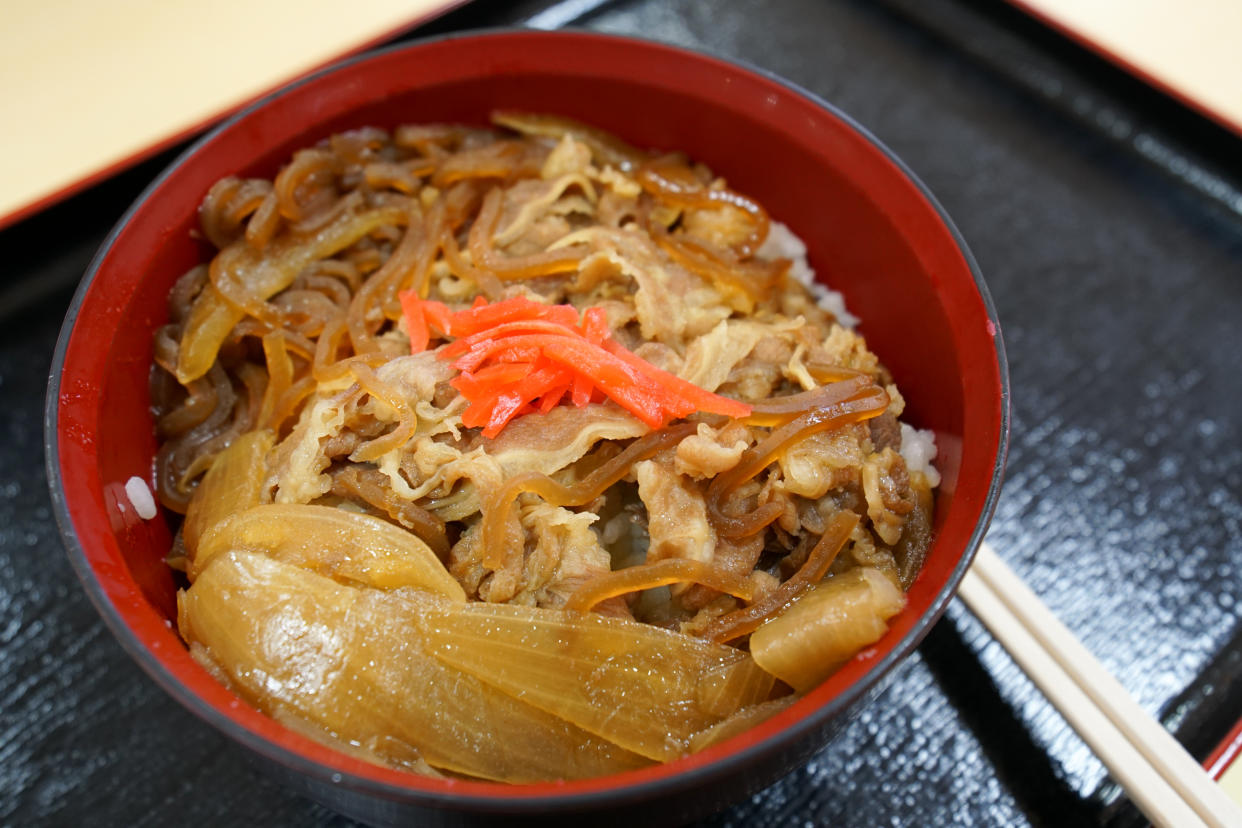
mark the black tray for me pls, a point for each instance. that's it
(1108, 222)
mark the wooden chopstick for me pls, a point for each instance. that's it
(1163, 780)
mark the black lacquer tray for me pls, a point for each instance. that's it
(1108, 222)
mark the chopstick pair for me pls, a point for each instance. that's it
(1162, 779)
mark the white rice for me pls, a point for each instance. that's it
(918, 447)
(139, 495)
(782, 243)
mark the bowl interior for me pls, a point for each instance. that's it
(872, 233)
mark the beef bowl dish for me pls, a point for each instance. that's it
(528, 425)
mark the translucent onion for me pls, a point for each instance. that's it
(208, 325)
(776, 411)
(645, 688)
(287, 404)
(243, 279)
(233, 484)
(279, 374)
(349, 662)
(346, 546)
(827, 627)
(744, 719)
(656, 574)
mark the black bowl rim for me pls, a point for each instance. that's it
(619, 795)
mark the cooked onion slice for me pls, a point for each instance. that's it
(243, 279)
(826, 627)
(776, 411)
(744, 719)
(656, 574)
(347, 546)
(348, 660)
(232, 484)
(640, 686)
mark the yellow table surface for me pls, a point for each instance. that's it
(1193, 48)
(88, 85)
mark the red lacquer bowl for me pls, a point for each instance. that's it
(874, 232)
